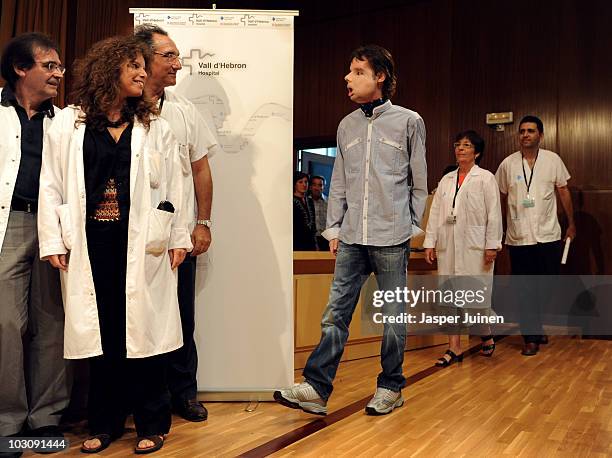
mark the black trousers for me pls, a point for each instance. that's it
(528, 260)
(119, 385)
(183, 363)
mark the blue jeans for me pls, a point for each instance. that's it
(354, 263)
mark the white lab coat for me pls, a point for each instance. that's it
(460, 247)
(10, 157)
(152, 316)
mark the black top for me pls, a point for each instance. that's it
(28, 176)
(368, 108)
(105, 160)
(304, 227)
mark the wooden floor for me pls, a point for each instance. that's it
(558, 403)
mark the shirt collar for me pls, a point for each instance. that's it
(381, 109)
(475, 170)
(374, 108)
(8, 98)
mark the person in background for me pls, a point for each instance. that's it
(34, 390)
(110, 218)
(304, 225)
(527, 181)
(464, 231)
(317, 187)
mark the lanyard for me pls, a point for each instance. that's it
(528, 183)
(456, 189)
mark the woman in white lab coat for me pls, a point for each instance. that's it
(465, 229)
(110, 220)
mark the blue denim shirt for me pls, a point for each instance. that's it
(379, 183)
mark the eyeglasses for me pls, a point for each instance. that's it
(52, 67)
(169, 56)
(465, 145)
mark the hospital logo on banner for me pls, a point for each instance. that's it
(261, 20)
(149, 19)
(176, 19)
(237, 20)
(199, 63)
(204, 19)
(282, 21)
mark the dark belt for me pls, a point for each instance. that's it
(21, 205)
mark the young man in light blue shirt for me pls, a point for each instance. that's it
(376, 201)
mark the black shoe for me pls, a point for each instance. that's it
(51, 431)
(18, 434)
(158, 442)
(530, 349)
(543, 340)
(487, 350)
(443, 362)
(192, 410)
(105, 441)
(46, 431)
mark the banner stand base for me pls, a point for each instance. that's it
(236, 396)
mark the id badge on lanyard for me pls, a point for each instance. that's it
(528, 202)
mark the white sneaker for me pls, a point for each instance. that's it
(302, 396)
(384, 401)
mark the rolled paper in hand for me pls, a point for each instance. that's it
(566, 250)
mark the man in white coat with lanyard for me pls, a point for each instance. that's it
(195, 140)
(376, 201)
(527, 180)
(34, 390)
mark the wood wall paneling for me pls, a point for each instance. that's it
(504, 59)
(456, 60)
(585, 128)
(45, 16)
(585, 93)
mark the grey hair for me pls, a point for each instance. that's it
(145, 33)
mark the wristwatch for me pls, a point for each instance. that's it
(205, 222)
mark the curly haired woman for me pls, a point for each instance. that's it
(110, 220)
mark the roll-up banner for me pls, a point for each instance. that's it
(238, 71)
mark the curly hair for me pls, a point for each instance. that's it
(96, 82)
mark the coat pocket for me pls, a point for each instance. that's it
(441, 240)
(63, 211)
(475, 237)
(158, 233)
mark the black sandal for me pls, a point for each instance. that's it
(158, 442)
(487, 350)
(443, 362)
(105, 441)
